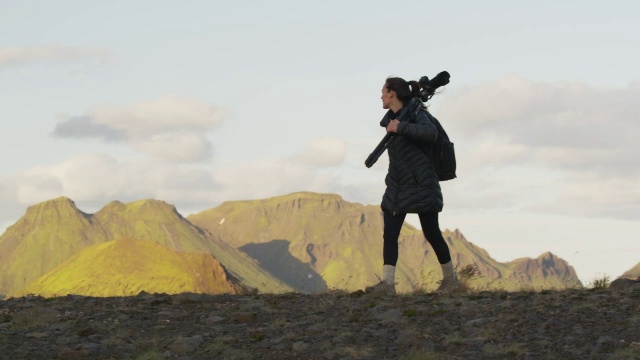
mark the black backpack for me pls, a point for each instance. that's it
(442, 153)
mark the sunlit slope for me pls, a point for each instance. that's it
(159, 221)
(342, 242)
(634, 272)
(47, 235)
(51, 232)
(127, 267)
(151, 220)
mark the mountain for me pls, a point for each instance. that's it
(53, 231)
(304, 241)
(158, 221)
(48, 234)
(126, 267)
(318, 241)
(547, 270)
(634, 272)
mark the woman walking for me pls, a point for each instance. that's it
(412, 184)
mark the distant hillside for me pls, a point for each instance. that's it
(329, 242)
(48, 234)
(126, 267)
(53, 231)
(304, 241)
(634, 272)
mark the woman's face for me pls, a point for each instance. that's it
(386, 96)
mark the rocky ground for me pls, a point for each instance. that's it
(570, 324)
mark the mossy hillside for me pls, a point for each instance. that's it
(51, 232)
(342, 241)
(126, 267)
(47, 235)
(153, 220)
(159, 221)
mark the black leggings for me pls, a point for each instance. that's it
(430, 228)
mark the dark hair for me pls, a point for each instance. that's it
(401, 87)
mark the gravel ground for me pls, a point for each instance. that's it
(568, 324)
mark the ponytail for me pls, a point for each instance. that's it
(404, 90)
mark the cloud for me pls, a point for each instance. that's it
(19, 56)
(546, 115)
(323, 152)
(169, 128)
(92, 180)
(176, 147)
(86, 127)
(575, 142)
(596, 196)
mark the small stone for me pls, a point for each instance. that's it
(315, 330)
(213, 320)
(244, 317)
(479, 322)
(38, 335)
(186, 345)
(299, 346)
(605, 344)
(389, 317)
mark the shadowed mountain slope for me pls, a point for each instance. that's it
(51, 232)
(126, 267)
(342, 242)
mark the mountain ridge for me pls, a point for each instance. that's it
(52, 231)
(353, 258)
(304, 241)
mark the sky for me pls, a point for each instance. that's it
(203, 102)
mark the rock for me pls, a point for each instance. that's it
(213, 320)
(315, 330)
(392, 316)
(407, 339)
(38, 335)
(35, 317)
(186, 345)
(244, 317)
(604, 345)
(624, 283)
(187, 298)
(299, 346)
(479, 322)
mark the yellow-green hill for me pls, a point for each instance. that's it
(53, 231)
(126, 267)
(48, 234)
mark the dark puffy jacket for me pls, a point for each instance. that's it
(412, 182)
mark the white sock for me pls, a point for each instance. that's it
(448, 271)
(389, 274)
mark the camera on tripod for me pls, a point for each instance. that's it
(429, 87)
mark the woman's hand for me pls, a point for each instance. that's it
(393, 126)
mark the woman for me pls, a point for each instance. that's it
(412, 184)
